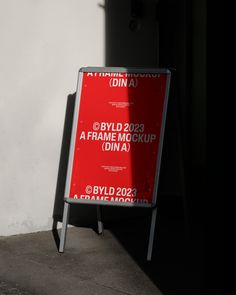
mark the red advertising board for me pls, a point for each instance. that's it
(117, 136)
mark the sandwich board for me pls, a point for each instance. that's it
(116, 141)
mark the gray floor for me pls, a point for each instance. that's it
(91, 264)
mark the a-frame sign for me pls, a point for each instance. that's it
(116, 142)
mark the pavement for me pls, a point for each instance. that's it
(91, 265)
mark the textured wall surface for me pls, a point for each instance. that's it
(43, 44)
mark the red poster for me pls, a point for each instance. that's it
(117, 135)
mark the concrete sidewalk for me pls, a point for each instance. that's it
(91, 265)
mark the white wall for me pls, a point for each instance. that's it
(43, 43)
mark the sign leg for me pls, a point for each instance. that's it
(151, 235)
(64, 227)
(99, 217)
